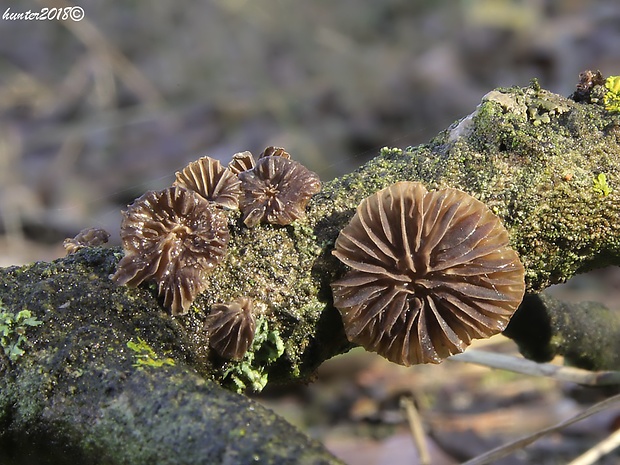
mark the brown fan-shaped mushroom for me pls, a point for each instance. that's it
(244, 161)
(277, 191)
(212, 181)
(272, 151)
(89, 237)
(231, 328)
(430, 271)
(175, 237)
(241, 161)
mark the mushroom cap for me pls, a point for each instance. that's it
(430, 271)
(241, 161)
(89, 237)
(276, 191)
(212, 181)
(231, 327)
(175, 237)
(272, 151)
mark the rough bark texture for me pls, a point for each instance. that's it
(96, 373)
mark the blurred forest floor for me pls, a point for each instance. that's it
(94, 113)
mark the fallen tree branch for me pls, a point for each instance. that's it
(97, 373)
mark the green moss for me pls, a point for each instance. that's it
(13, 328)
(145, 356)
(612, 97)
(252, 371)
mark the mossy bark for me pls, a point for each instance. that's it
(533, 157)
(81, 394)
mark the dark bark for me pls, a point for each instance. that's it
(587, 334)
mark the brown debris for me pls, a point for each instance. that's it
(587, 81)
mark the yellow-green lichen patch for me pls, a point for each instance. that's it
(612, 97)
(600, 185)
(145, 356)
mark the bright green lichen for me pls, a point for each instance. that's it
(251, 372)
(601, 186)
(13, 331)
(146, 356)
(612, 97)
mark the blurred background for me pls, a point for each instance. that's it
(95, 112)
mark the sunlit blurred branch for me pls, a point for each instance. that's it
(527, 367)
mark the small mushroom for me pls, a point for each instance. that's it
(241, 161)
(212, 181)
(244, 161)
(175, 237)
(89, 237)
(231, 328)
(430, 271)
(272, 151)
(276, 191)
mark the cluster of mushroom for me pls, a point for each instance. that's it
(429, 272)
(177, 236)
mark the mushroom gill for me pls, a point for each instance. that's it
(212, 181)
(231, 327)
(175, 237)
(276, 191)
(430, 271)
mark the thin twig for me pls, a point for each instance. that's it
(527, 367)
(417, 430)
(507, 449)
(602, 448)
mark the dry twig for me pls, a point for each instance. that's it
(507, 449)
(528, 367)
(417, 429)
